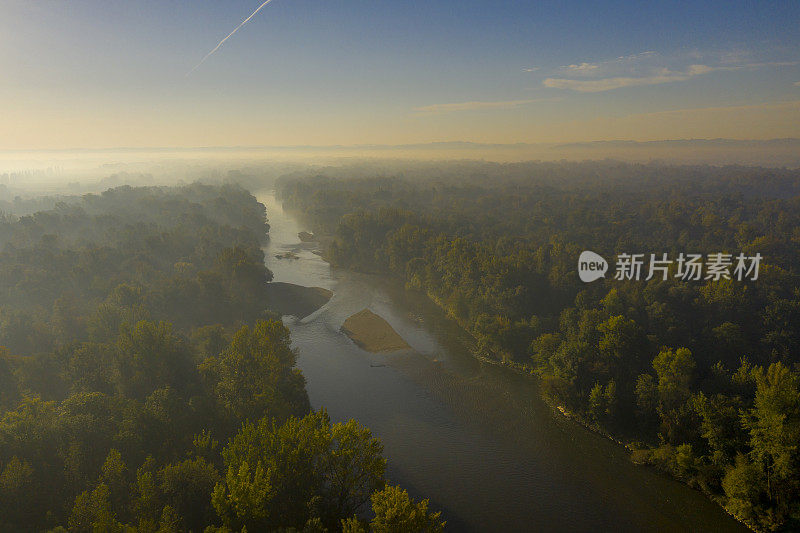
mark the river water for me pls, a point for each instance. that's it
(474, 438)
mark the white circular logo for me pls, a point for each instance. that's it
(591, 266)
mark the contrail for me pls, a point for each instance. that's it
(245, 21)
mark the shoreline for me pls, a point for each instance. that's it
(567, 414)
(557, 410)
(295, 300)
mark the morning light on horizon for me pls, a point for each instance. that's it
(303, 72)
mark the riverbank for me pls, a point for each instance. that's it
(474, 438)
(295, 300)
(631, 448)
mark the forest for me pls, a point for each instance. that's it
(700, 378)
(145, 388)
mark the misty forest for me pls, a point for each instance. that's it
(701, 379)
(148, 382)
(145, 387)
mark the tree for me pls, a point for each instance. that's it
(9, 393)
(354, 469)
(603, 402)
(255, 375)
(744, 484)
(187, 487)
(113, 475)
(597, 402)
(674, 369)
(646, 396)
(170, 521)
(93, 512)
(621, 347)
(774, 426)
(396, 512)
(151, 356)
(283, 476)
(146, 497)
(92, 367)
(720, 425)
(16, 484)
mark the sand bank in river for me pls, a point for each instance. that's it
(296, 300)
(372, 333)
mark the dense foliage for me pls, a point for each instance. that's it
(702, 376)
(144, 388)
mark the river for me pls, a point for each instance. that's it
(474, 438)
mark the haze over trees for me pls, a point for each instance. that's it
(702, 377)
(144, 387)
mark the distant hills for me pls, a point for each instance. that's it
(771, 152)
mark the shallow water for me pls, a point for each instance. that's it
(474, 438)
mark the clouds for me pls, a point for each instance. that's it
(583, 67)
(607, 84)
(634, 70)
(641, 70)
(646, 69)
(617, 65)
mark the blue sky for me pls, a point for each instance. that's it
(113, 73)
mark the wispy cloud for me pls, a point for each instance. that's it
(245, 21)
(605, 68)
(581, 67)
(770, 64)
(438, 109)
(608, 84)
(651, 68)
(530, 69)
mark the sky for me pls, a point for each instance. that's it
(110, 73)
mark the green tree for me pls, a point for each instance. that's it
(674, 369)
(187, 488)
(354, 469)
(92, 367)
(774, 426)
(603, 402)
(283, 476)
(622, 347)
(146, 497)
(17, 483)
(9, 393)
(255, 375)
(93, 513)
(114, 475)
(745, 489)
(720, 426)
(170, 521)
(396, 512)
(150, 356)
(646, 396)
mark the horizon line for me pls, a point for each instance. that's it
(395, 146)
